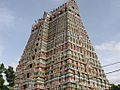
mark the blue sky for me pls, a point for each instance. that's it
(100, 17)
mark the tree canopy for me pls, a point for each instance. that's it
(115, 87)
(10, 76)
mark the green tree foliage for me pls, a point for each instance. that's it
(1, 76)
(1, 82)
(115, 87)
(10, 76)
(2, 68)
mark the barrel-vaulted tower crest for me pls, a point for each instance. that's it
(73, 6)
(59, 55)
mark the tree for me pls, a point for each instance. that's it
(2, 68)
(1, 82)
(115, 87)
(10, 76)
(1, 76)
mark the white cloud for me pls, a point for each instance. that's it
(114, 78)
(6, 18)
(109, 46)
(109, 52)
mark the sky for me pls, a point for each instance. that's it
(101, 19)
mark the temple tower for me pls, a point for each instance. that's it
(59, 55)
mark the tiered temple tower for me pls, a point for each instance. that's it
(59, 55)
